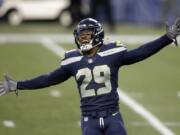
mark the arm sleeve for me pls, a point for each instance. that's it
(145, 51)
(45, 80)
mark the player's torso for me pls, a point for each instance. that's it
(97, 77)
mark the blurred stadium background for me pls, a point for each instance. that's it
(25, 52)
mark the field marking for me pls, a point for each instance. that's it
(178, 94)
(172, 124)
(49, 44)
(55, 93)
(136, 95)
(143, 124)
(8, 123)
(69, 39)
(134, 105)
(139, 109)
(79, 123)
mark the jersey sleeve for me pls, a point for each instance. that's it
(55, 77)
(145, 51)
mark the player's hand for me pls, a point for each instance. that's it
(173, 30)
(7, 86)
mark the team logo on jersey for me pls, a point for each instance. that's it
(114, 114)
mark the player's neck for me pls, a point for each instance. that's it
(91, 52)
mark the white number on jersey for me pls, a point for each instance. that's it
(100, 75)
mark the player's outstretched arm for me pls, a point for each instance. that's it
(153, 47)
(57, 76)
(173, 30)
(9, 85)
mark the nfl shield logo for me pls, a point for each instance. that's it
(86, 119)
(90, 61)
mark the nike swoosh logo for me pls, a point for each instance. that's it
(114, 114)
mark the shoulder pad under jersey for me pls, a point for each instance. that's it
(71, 56)
(111, 48)
(115, 44)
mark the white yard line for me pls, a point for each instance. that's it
(178, 94)
(172, 124)
(144, 124)
(131, 103)
(136, 95)
(49, 44)
(55, 93)
(9, 123)
(139, 109)
(68, 38)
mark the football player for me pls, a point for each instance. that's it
(95, 66)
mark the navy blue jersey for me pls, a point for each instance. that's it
(97, 76)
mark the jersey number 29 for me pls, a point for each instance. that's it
(100, 75)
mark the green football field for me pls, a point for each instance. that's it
(153, 83)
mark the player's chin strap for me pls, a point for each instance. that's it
(89, 46)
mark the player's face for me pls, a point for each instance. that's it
(85, 36)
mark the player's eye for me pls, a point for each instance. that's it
(85, 36)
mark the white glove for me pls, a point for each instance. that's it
(173, 30)
(8, 85)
